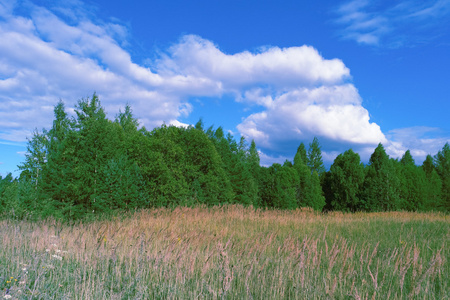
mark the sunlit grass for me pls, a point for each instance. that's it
(229, 252)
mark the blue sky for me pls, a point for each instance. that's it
(352, 73)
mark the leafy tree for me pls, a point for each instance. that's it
(279, 186)
(346, 180)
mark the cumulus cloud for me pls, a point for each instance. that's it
(332, 113)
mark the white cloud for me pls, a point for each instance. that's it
(420, 140)
(299, 93)
(285, 67)
(332, 113)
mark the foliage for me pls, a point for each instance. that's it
(88, 165)
(346, 180)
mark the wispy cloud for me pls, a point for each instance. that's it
(392, 24)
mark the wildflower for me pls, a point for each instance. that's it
(7, 296)
(54, 245)
(58, 251)
(24, 269)
(57, 257)
(47, 250)
(8, 281)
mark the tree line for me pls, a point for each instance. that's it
(88, 165)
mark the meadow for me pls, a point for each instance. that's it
(229, 252)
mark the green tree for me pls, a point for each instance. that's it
(433, 199)
(96, 144)
(346, 180)
(413, 184)
(314, 157)
(35, 158)
(279, 187)
(381, 184)
(59, 189)
(308, 189)
(442, 163)
(5, 194)
(314, 196)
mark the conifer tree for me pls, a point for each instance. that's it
(308, 189)
(381, 184)
(412, 184)
(95, 145)
(315, 198)
(314, 157)
(58, 180)
(35, 158)
(304, 174)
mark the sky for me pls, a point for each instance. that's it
(351, 73)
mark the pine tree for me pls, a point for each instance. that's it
(428, 165)
(95, 145)
(381, 184)
(304, 174)
(314, 157)
(58, 179)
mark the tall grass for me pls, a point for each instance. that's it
(229, 253)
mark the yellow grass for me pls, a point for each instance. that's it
(229, 252)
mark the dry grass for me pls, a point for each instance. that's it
(229, 253)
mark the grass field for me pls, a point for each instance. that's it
(229, 253)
